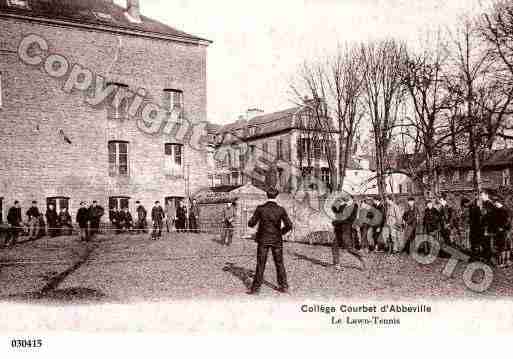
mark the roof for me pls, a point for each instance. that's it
(272, 122)
(96, 13)
(502, 157)
(266, 124)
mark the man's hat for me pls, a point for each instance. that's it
(137, 202)
(34, 202)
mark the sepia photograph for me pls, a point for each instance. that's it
(247, 167)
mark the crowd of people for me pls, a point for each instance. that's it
(54, 223)
(480, 227)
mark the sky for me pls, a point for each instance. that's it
(259, 46)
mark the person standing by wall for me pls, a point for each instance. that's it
(52, 219)
(181, 217)
(273, 223)
(14, 221)
(170, 215)
(411, 218)
(82, 220)
(157, 216)
(95, 214)
(501, 225)
(228, 221)
(33, 215)
(378, 211)
(194, 216)
(65, 224)
(431, 223)
(446, 218)
(141, 218)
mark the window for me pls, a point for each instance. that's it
(400, 188)
(119, 202)
(506, 177)
(456, 176)
(304, 147)
(265, 149)
(228, 160)
(252, 149)
(325, 175)
(58, 203)
(1, 90)
(251, 130)
(317, 144)
(279, 149)
(173, 199)
(173, 159)
(235, 178)
(23, 4)
(1, 210)
(118, 158)
(118, 109)
(441, 178)
(470, 176)
(173, 100)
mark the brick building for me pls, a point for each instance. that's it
(57, 147)
(297, 136)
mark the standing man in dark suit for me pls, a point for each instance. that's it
(15, 222)
(157, 217)
(270, 217)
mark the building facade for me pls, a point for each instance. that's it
(295, 149)
(59, 144)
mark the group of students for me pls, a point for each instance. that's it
(175, 217)
(480, 227)
(57, 223)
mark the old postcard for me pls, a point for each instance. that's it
(254, 167)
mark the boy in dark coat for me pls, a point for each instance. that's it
(410, 218)
(273, 222)
(52, 220)
(65, 222)
(157, 216)
(82, 220)
(14, 220)
(33, 215)
(141, 217)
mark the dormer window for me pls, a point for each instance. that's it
(22, 4)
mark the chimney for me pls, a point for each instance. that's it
(133, 10)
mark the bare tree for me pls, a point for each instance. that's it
(346, 86)
(430, 127)
(384, 96)
(480, 91)
(335, 87)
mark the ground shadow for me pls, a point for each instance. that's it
(315, 261)
(218, 240)
(58, 296)
(245, 275)
(324, 264)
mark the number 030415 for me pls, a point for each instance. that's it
(26, 343)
